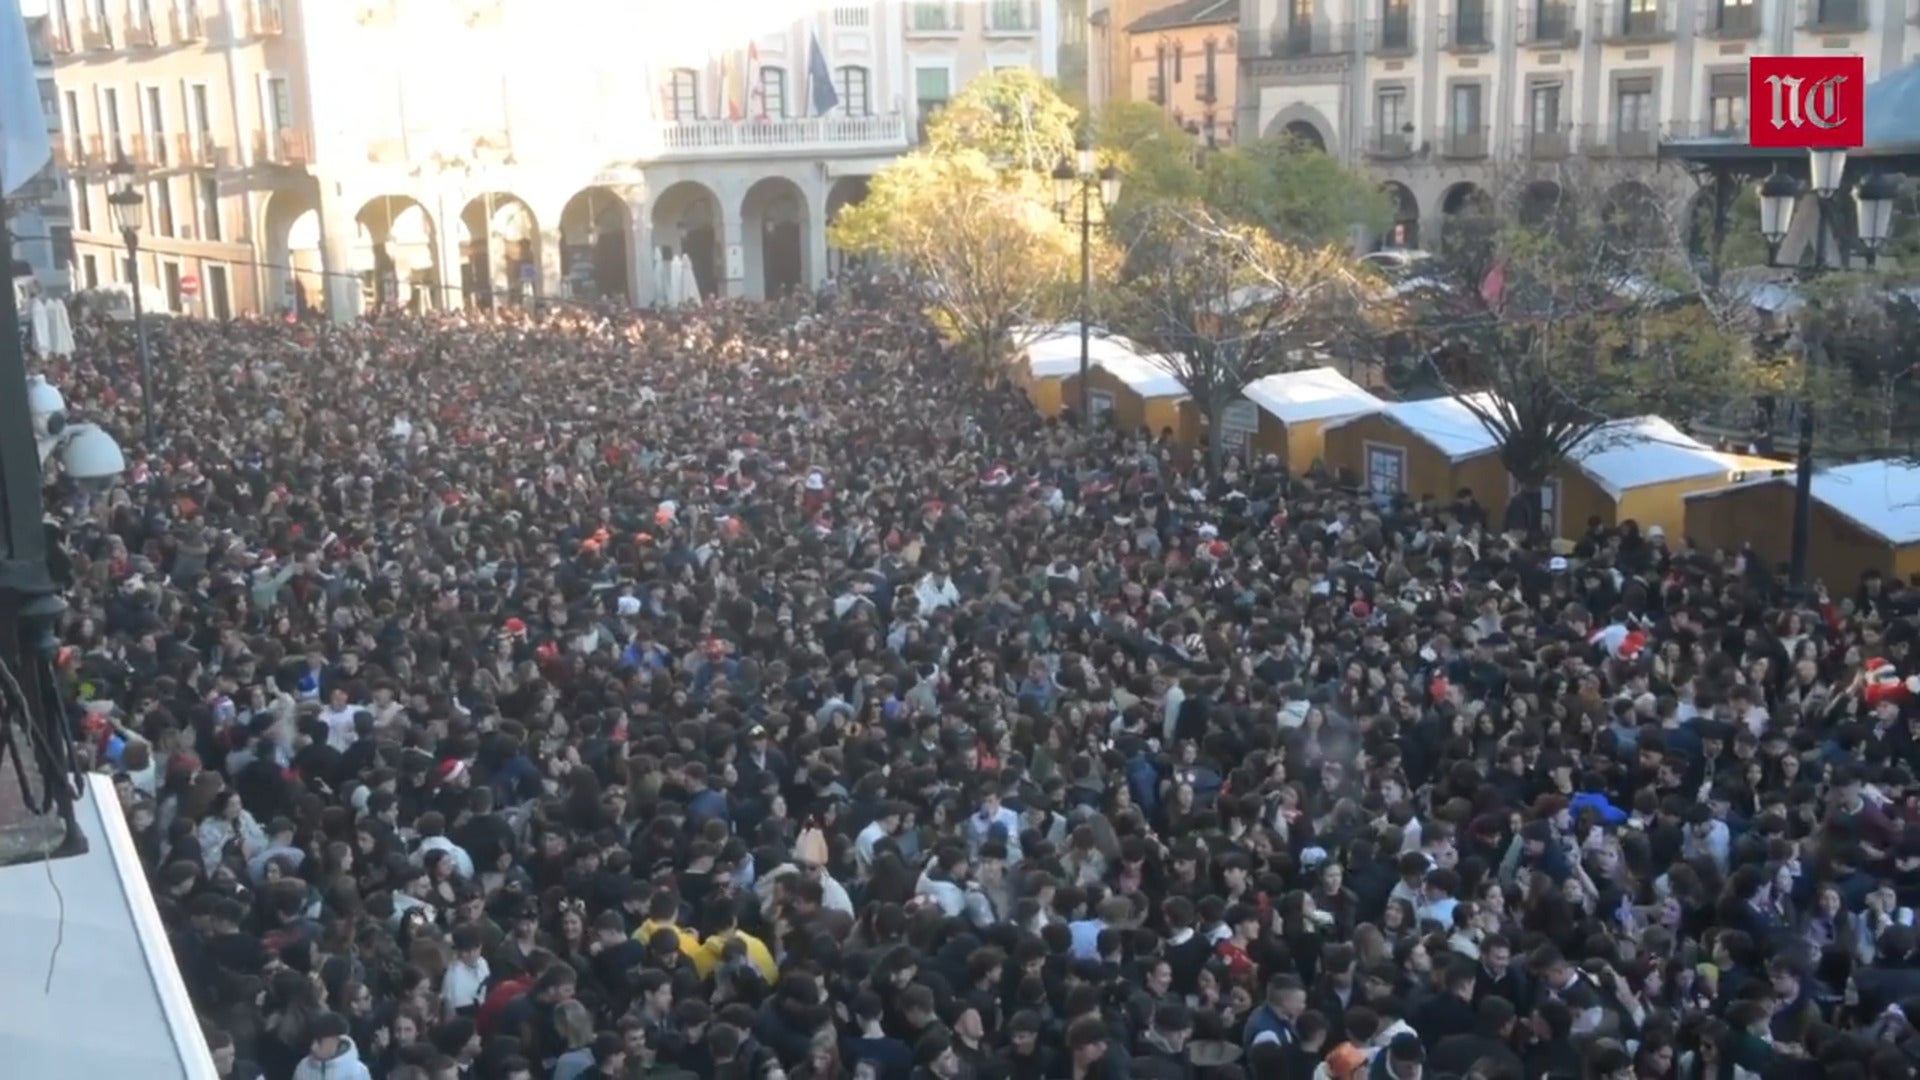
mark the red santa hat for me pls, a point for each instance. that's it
(450, 771)
(1883, 683)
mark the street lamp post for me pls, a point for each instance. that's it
(129, 213)
(1081, 177)
(1873, 217)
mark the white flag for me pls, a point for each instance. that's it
(24, 148)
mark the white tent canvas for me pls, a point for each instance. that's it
(689, 281)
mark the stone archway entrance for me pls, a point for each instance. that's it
(499, 250)
(594, 243)
(773, 226)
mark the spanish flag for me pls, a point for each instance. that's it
(731, 85)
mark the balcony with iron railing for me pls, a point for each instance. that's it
(59, 40)
(1636, 143)
(1635, 22)
(200, 151)
(186, 25)
(1206, 88)
(1464, 142)
(938, 17)
(1389, 143)
(95, 37)
(1834, 16)
(1468, 30)
(1730, 22)
(288, 147)
(136, 149)
(1391, 34)
(265, 18)
(1301, 39)
(1548, 142)
(1716, 129)
(796, 135)
(1156, 90)
(1548, 25)
(138, 32)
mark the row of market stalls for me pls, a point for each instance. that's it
(1644, 469)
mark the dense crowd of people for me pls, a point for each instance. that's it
(755, 692)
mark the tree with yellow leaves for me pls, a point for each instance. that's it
(982, 242)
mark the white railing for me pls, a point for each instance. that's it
(744, 137)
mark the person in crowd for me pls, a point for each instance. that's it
(678, 695)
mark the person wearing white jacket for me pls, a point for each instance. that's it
(936, 591)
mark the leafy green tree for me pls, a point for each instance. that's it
(1224, 303)
(1154, 154)
(1013, 116)
(983, 242)
(1295, 192)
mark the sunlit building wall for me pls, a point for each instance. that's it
(356, 153)
(1442, 97)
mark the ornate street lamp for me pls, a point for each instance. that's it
(129, 213)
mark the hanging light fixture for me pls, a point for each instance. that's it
(1777, 197)
(1873, 210)
(1826, 168)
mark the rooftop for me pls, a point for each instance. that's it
(1446, 423)
(1314, 394)
(1187, 13)
(1645, 451)
(1882, 497)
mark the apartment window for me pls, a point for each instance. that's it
(279, 104)
(82, 201)
(773, 93)
(100, 19)
(1734, 15)
(1727, 103)
(76, 132)
(50, 103)
(1212, 86)
(1839, 13)
(853, 83)
(110, 119)
(161, 197)
(170, 275)
(852, 16)
(934, 17)
(1470, 22)
(1633, 105)
(1008, 15)
(210, 209)
(1390, 111)
(932, 88)
(1544, 108)
(1464, 116)
(201, 110)
(683, 95)
(90, 271)
(143, 12)
(1395, 25)
(156, 125)
(62, 24)
(1550, 20)
(1300, 15)
(1175, 51)
(63, 251)
(219, 295)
